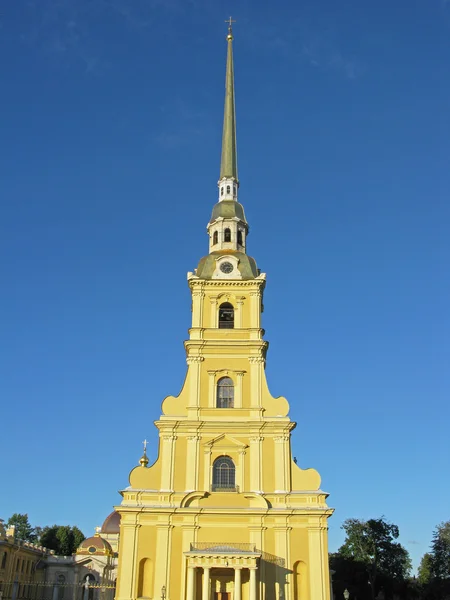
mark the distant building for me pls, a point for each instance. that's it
(20, 565)
(31, 572)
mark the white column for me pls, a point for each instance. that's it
(237, 584)
(205, 592)
(190, 583)
(253, 584)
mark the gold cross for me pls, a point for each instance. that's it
(145, 445)
(229, 21)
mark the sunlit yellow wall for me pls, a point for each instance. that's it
(279, 507)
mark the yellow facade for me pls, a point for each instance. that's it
(19, 562)
(224, 513)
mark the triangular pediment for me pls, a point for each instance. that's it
(225, 442)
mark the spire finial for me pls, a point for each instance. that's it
(230, 22)
(143, 461)
(228, 164)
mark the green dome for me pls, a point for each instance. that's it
(247, 265)
(227, 209)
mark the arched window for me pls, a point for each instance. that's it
(224, 474)
(4, 560)
(228, 189)
(225, 393)
(221, 191)
(145, 581)
(88, 590)
(226, 316)
(240, 237)
(215, 238)
(227, 235)
(60, 588)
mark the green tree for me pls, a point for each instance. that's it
(440, 552)
(348, 574)
(63, 539)
(23, 530)
(78, 536)
(372, 543)
(425, 569)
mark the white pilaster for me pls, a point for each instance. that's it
(212, 388)
(281, 479)
(207, 469)
(255, 464)
(255, 310)
(318, 581)
(194, 380)
(241, 473)
(214, 312)
(238, 312)
(168, 441)
(238, 389)
(163, 545)
(192, 463)
(197, 308)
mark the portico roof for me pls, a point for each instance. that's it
(217, 550)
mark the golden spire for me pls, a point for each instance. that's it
(228, 164)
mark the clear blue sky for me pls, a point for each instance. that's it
(111, 116)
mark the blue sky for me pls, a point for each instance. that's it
(111, 123)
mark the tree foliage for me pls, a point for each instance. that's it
(440, 552)
(425, 569)
(351, 575)
(434, 570)
(63, 539)
(23, 529)
(372, 544)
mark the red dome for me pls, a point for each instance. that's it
(94, 545)
(111, 523)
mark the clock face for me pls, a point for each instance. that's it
(226, 267)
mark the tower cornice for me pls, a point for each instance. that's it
(195, 282)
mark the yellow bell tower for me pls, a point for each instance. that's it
(224, 513)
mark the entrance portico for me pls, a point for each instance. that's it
(226, 567)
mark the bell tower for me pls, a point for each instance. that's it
(224, 513)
